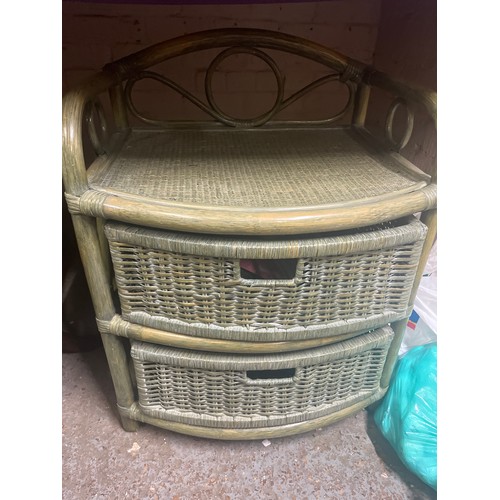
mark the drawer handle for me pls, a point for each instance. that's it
(268, 269)
(281, 376)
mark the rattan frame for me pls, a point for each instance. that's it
(88, 210)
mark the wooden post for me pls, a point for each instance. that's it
(361, 105)
(100, 291)
(429, 218)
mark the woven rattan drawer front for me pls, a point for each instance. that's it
(241, 391)
(194, 285)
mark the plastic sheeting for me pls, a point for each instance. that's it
(407, 416)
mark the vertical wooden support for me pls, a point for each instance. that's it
(118, 106)
(361, 104)
(429, 218)
(99, 286)
(103, 245)
(399, 328)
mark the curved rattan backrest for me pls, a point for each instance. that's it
(235, 37)
(134, 68)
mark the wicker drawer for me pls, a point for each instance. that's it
(241, 391)
(329, 285)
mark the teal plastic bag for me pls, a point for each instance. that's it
(407, 416)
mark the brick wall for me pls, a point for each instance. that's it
(94, 34)
(397, 37)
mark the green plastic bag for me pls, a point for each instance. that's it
(407, 416)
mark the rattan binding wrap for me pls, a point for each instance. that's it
(191, 284)
(218, 390)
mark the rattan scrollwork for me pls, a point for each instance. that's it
(212, 109)
(97, 126)
(280, 81)
(396, 103)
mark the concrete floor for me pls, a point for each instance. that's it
(349, 459)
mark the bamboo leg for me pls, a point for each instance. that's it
(429, 218)
(99, 286)
(118, 366)
(399, 328)
(103, 244)
(119, 108)
(361, 105)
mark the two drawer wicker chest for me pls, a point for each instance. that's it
(250, 278)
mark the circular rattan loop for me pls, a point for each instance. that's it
(261, 119)
(398, 145)
(98, 132)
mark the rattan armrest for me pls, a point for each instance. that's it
(73, 114)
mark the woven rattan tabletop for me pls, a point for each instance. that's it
(253, 168)
(222, 176)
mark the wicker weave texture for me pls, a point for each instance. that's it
(252, 168)
(353, 282)
(238, 391)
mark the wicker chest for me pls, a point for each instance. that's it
(257, 277)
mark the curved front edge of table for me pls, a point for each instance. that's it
(252, 221)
